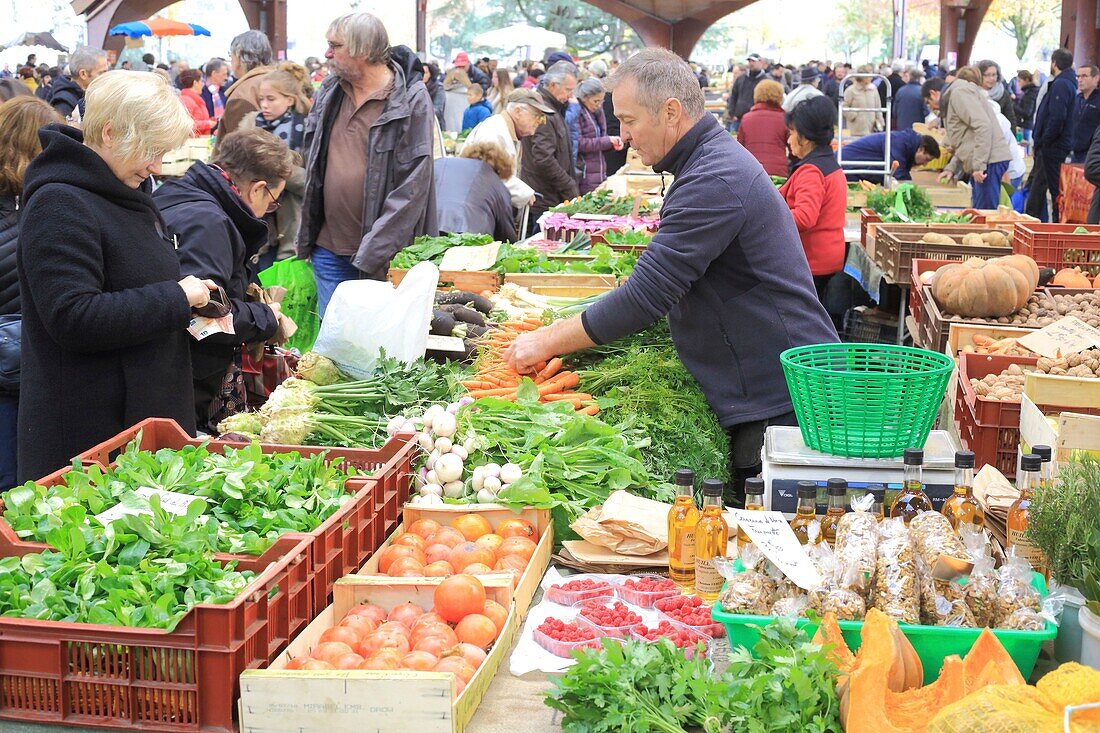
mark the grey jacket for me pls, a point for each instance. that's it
(973, 133)
(400, 197)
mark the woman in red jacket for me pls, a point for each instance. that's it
(763, 129)
(190, 84)
(817, 192)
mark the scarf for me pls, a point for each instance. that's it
(997, 91)
(290, 127)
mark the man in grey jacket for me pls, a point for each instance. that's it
(726, 266)
(368, 149)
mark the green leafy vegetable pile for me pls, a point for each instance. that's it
(605, 261)
(642, 386)
(571, 462)
(254, 497)
(909, 203)
(786, 684)
(601, 202)
(431, 249)
(140, 570)
(629, 238)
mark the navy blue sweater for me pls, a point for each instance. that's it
(1054, 119)
(872, 149)
(728, 268)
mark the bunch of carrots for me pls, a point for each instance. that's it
(495, 378)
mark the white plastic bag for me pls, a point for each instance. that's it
(367, 316)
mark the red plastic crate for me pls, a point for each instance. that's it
(346, 539)
(986, 411)
(917, 288)
(1056, 246)
(991, 445)
(147, 679)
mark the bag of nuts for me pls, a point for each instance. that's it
(1014, 590)
(749, 591)
(857, 542)
(897, 593)
(981, 586)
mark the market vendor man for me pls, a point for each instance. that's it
(726, 266)
(908, 149)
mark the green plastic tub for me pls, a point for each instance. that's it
(932, 643)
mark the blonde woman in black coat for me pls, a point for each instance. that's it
(105, 309)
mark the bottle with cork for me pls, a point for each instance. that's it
(911, 500)
(961, 507)
(711, 538)
(837, 491)
(806, 511)
(682, 518)
(754, 502)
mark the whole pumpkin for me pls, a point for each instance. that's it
(980, 288)
(1071, 278)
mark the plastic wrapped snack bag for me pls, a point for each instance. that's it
(749, 591)
(857, 535)
(897, 593)
(981, 586)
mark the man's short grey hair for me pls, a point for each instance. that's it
(252, 48)
(898, 66)
(558, 73)
(364, 35)
(660, 75)
(85, 58)
(590, 87)
(598, 68)
(915, 75)
(213, 66)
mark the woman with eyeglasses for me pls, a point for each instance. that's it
(216, 211)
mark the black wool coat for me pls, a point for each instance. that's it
(9, 279)
(104, 321)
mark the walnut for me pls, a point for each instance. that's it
(1044, 364)
(1015, 369)
(1059, 372)
(1080, 371)
(1073, 360)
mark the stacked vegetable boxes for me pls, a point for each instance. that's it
(122, 677)
(989, 427)
(1059, 245)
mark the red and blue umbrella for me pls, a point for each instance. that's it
(159, 27)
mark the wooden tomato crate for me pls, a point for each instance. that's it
(1070, 393)
(565, 285)
(897, 245)
(528, 583)
(473, 281)
(278, 700)
(960, 335)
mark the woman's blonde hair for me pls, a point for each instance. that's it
(290, 80)
(971, 74)
(146, 117)
(20, 119)
(768, 92)
(493, 155)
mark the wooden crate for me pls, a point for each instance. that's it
(528, 582)
(1067, 392)
(566, 285)
(475, 281)
(897, 245)
(1071, 433)
(935, 329)
(353, 701)
(960, 335)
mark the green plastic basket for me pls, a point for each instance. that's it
(932, 643)
(865, 400)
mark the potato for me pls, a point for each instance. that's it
(994, 239)
(937, 238)
(973, 239)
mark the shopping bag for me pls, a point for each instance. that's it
(262, 375)
(300, 302)
(366, 317)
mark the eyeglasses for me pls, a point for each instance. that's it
(333, 46)
(275, 203)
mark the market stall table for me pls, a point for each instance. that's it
(861, 267)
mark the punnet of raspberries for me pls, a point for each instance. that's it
(650, 585)
(569, 631)
(610, 615)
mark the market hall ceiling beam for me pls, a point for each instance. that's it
(673, 24)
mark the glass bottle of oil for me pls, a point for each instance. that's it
(911, 500)
(682, 518)
(836, 490)
(754, 502)
(1020, 512)
(878, 508)
(711, 538)
(961, 507)
(1046, 473)
(806, 512)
